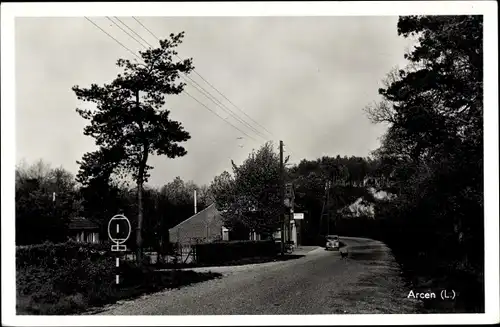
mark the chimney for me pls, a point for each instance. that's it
(195, 209)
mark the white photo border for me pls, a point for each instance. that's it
(376, 8)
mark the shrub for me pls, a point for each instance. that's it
(69, 277)
(225, 251)
(50, 255)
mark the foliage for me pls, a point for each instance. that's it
(252, 197)
(435, 138)
(433, 148)
(41, 215)
(71, 277)
(127, 131)
(97, 201)
(53, 254)
(130, 121)
(344, 176)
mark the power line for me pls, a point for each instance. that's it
(112, 37)
(218, 115)
(130, 29)
(147, 29)
(142, 45)
(211, 85)
(194, 70)
(206, 81)
(126, 48)
(232, 103)
(223, 107)
(204, 92)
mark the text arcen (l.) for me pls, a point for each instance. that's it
(422, 295)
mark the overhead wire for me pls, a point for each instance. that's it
(128, 49)
(201, 103)
(217, 90)
(206, 81)
(196, 86)
(208, 95)
(124, 31)
(214, 98)
(134, 54)
(137, 34)
(102, 30)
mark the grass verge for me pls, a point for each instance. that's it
(243, 261)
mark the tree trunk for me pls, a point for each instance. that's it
(140, 213)
(140, 182)
(159, 253)
(139, 220)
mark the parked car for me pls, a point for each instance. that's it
(332, 242)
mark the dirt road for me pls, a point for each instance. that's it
(368, 281)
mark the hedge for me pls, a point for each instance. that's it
(70, 277)
(225, 251)
(52, 255)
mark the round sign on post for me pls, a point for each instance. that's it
(119, 230)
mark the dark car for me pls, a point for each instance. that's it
(332, 242)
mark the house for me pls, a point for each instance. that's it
(83, 230)
(204, 226)
(208, 225)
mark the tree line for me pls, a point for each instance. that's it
(434, 150)
(47, 198)
(434, 143)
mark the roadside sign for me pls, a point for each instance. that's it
(298, 216)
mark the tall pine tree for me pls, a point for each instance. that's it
(131, 122)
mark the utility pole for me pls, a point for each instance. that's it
(289, 238)
(325, 211)
(333, 186)
(139, 199)
(328, 208)
(282, 199)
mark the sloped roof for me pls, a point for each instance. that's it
(205, 225)
(82, 223)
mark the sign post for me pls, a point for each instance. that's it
(297, 216)
(119, 237)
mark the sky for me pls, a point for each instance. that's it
(305, 79)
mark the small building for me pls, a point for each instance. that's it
(205, 226)
(83, 230)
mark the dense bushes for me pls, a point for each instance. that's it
(70, 277)
(45, 200)
(221, 252)
(428, 256)
(53, 255)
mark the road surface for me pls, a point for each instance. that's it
(368, 281)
